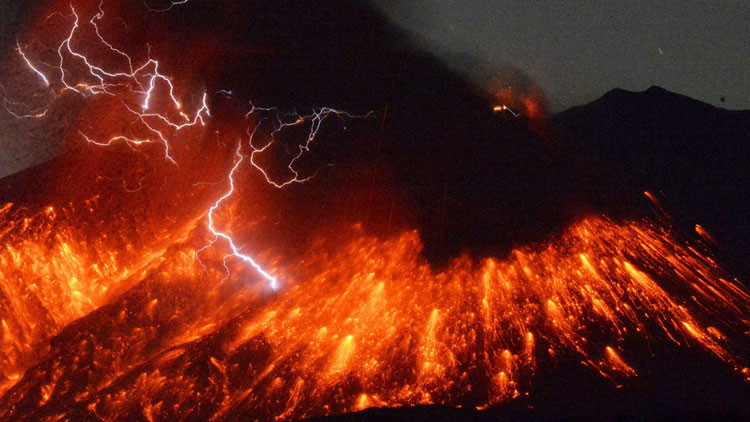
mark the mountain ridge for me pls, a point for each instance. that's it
(690, 153)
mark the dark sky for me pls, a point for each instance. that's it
(577, 50)
(574, 50)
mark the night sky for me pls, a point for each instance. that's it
(575, 51)
(578, 50)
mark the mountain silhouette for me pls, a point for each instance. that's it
(690, 153)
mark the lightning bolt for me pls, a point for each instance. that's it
(31, 66)
(172, 4)
(314, 119)
(145, 82)
(218, 234)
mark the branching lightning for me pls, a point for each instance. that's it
(146, 82)
(314, 119)
(223, 235)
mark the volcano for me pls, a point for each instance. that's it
(302, 215)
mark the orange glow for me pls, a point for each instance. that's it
(364, 324)
(704, 234)
(616, 362)
(521, 101)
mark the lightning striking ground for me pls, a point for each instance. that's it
(218, 234)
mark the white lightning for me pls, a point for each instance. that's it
(274, 284)
(146, 82)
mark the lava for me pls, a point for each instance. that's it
(165, 313)
(369, 323)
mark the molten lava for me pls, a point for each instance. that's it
(368, 323)
(111, 311)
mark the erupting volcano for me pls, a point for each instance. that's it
(222, 241)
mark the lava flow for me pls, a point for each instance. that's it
(365, 324)
(159, 303)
